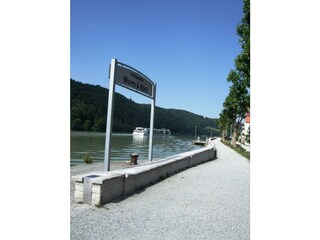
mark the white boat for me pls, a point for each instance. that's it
(140, 131)
(145, 131)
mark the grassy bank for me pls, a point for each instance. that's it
(238, 149)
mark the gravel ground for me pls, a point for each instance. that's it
(210, 201)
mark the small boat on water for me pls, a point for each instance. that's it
(145, 131)
(139, 131)
(199, 142)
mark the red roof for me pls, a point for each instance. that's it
(248, 119)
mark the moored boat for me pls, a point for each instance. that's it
(146, 131)
(139, 131)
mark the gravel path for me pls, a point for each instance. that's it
(210, 201)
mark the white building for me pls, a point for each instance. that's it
(245, 129)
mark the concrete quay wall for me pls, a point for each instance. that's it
(101, 187)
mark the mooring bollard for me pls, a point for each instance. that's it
(134, 158)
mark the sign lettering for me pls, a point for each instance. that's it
(133, 80)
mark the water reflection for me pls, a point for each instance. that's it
(138, 140)
(123, 145)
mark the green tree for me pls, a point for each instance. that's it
(87, 125)
(237, 102)
(242, 61)
(247, 137)
(224, 122)
(99, 124)
(76, 124)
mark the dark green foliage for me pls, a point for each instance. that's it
(89, 110)
(224, 122)
(242, 62)
(87, 159)
(237, 103)
(247, 137)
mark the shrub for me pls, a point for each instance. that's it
(87, 159)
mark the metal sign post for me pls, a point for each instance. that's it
(153, 104)
(107, 151)
(132, 79)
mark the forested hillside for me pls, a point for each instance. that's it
(89, 110)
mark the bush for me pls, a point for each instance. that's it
(87, 159)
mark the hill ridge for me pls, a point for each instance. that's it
(88, 109)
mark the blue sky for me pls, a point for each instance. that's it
(186, 47)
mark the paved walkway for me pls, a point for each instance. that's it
(210, 201)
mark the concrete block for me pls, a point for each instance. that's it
(105, 187)
(96, 189)
(96, 199)
(78, 196)
(79, 187)
(111, 188)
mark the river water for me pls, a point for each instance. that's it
(123, 145)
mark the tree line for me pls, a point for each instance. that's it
(237, 103)
(89, 110)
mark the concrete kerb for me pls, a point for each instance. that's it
(100, 187)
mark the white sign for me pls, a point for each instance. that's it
(134, 80)
(128, 77)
